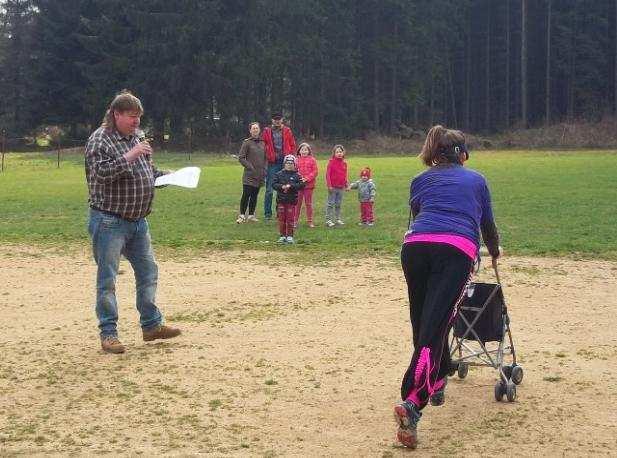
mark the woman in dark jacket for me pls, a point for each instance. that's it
(252, 156)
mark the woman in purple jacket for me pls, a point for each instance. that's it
(450, 206)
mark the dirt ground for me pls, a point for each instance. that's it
(280, 360)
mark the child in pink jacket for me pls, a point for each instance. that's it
(336, 179)
(307, 168)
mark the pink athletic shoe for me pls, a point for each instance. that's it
(407, 416)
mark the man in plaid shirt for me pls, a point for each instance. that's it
(120, 177)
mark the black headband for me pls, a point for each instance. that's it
(453, 152)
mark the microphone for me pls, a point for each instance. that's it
(143, 138)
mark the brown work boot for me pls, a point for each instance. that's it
(111, 344)
(161, 332)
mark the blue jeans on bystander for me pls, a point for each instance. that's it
(273, 169)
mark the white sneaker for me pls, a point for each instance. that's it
(282, 239)
(329, 223)
(340, 222)
(290, 239)
(241, 219)
(252, 219)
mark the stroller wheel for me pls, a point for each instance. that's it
(500, 391)
(463, 370)
(511, 392)
(517, 374)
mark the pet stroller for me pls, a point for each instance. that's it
(479, 337)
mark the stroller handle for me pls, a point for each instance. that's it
(494, 261)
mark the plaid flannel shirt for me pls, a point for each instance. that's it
(115, 185)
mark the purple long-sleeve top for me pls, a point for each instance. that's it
(451, 199)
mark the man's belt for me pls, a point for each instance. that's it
(115, 215)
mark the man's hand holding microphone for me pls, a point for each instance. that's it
(143, 148)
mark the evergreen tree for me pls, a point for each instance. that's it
(336, 68)
(17, 83)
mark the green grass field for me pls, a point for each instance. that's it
(545, 203)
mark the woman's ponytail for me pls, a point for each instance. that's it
(431, 144)
(437, 140)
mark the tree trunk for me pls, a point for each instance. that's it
(212, 113)
(547, 116)
(375, 74)
(278, 96)
(524, 63)
(292, 115)
(444, 112)
(487, 89)
(176, 127)
(432, 99)
(452, 94)
(393, 104)
(158, 122)
(572, 70)
(467, 121)
(322, 97)
(508, 64)
(375, 96)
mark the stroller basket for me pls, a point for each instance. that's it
(481, 314)
(481, 336)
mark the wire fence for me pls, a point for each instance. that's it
(190, 144)
(64, 146)
(58, 148)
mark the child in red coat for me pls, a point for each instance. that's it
(336, 179)
(307, 168)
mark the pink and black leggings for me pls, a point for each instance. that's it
(437, 275)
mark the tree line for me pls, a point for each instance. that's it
(335, 68)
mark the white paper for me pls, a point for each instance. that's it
(188, 177)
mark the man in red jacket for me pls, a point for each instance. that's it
(278, 142)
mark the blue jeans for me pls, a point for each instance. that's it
(113, 236)
(273, 169)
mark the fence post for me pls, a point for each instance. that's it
(58, 148)
(190, 139)
(3, 146)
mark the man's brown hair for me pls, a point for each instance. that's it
(123, 102)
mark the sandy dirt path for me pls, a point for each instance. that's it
(280, 360)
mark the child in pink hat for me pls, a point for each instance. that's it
(366, 196)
